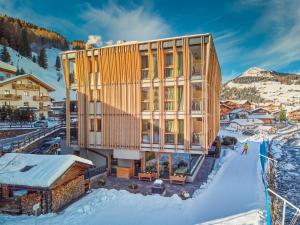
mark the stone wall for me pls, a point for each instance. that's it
(66, 193)
(28, 201)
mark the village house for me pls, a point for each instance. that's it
(238, 114)
(235, 104)
(294, 115)
(7, 71)
(26, 92)
(244, 124)
(224, 111)
(142, 103)
(35, 184)
(266, 118)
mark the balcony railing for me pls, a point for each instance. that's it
(25, 86)
(197, 138)
(11, 97)
(41, 98)
(197, 105)
(44, 108)
(145, 74)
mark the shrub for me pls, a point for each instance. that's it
(229, 140)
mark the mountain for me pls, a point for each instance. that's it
(260, 85)
(49, 75)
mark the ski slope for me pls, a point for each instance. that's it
(47, 75)
(233, 190)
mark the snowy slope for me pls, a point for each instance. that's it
(273, 91)
(49, 75)
(235, 187)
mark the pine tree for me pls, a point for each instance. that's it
(5, 57)
(24, 46)
(34, 59)
(282, 115)
(42, 59)
(57, 64)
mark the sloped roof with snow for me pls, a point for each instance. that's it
(7, 67)
(239, 102)
(261, 116)
(246, 122)
(29, 76)
(35, 170)
(238, 110)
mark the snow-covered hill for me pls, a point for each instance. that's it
(47, 75)
(272, 86)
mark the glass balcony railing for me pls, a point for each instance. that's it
(197, 138)
(145, 74)
(197, 105)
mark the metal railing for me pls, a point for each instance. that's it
(92, 172)
(31, 138)
(285, 205)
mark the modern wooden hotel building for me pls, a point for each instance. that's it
(151, 105)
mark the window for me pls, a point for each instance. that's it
(145, 67)
(7, 92)
(169, 98)
(180, 98)
(168, 64)
(145, 99)
(41, 94)
(91, 95)
(99, 125)
(156, 98)
(195, 56)
(6, 103)
(180, 138)
(26, 93)
(91, 124)
(155, 131)
(98, 95)
(146, 131)
(169, 132)
(41, 105)
(26, 104)
(155, 66)
(179, 63)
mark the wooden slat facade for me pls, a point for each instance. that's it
(115, 71)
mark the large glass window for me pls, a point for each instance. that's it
(180, 138)
(99, 125)
(145, 67)
(151, 162)
(155, 131)
(179, 63)
(195, 56)
(169, 98)
(92, 128)
(155, 66)
(146, 131)
(170, 132)
(168, 64)
(164, 165)
(180, 98)
(145, 98)
(156, 98)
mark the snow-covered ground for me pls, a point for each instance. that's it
(275, 91)
(47, 75)
(234, 190)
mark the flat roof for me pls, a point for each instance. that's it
(140, 42)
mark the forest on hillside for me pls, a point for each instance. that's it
(277, 77)
(26, 37)
(251, 94)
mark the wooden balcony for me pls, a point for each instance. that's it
(25, 86)
(42, 98)
(11, 97)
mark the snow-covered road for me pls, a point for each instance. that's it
(235, 188)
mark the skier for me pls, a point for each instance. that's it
(245, 151)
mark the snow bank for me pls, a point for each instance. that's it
(236, 188)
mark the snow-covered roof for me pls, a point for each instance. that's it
(35, 170)
(6, 66)
(261, 116)
(30, 76)
(260, 108)
(246, 122)
(238, 110)
(240, 102)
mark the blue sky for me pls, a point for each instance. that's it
(263, 33)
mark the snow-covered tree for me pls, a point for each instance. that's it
(5, 57)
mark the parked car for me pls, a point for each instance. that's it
(41, 123)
